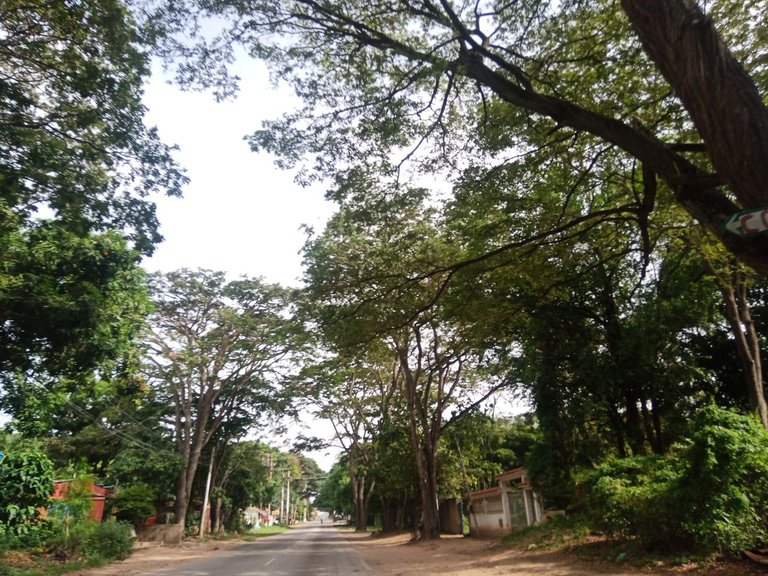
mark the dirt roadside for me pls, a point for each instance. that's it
(449, 556)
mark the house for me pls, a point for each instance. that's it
(510, 505)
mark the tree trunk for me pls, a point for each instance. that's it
(361, 492)
(187, 478)
(217, 524)
(748, 346)
(431, 519)
(721, 98)
(733, 288)
(361, 508)
(425, 455)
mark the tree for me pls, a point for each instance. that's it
(355, 396)
(365, 275)
(78, 166)
(241, 478)
(75, 147)
(733, 280)
(68, 304)
(215, 354)
(654, 81)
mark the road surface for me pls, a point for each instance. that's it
(313, 549)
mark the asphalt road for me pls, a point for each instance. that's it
(312, 549)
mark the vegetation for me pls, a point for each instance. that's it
(531, 198)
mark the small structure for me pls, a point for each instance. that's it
(450, 516)
(98, 496)
(511, 505)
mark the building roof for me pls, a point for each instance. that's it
(515, 473)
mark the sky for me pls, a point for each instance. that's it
(240, 214)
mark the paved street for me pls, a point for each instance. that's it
(316, 549)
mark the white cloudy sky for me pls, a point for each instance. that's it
(239, 214)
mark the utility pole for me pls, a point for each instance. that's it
(207, 494)
(288, 498)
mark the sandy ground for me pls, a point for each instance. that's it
(449, 556)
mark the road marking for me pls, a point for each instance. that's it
(270, 562)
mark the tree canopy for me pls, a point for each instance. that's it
(654, 82)
(78, 170)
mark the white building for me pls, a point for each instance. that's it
(511, 505)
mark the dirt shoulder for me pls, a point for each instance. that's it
(457, 556)
(148, 557)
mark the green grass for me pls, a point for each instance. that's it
(265, 531)
(573, 535)
(560, 532)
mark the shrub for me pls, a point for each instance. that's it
(93, 542)
(109, 541)
(724, 482)
(26, 483)
(710, 494)
(628, 498)
(69, 541)
(134, 503)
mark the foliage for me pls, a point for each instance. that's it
(110, 541)
(157, 469)
(724, 481)
(75, 507)
(336, 492)
(26, 483)
(95, 542)
(77, 169)
(216, 352)
(711, 495)
(78, 300)
(416, 81)
(629, 497)
(134, 503)
(76, 149)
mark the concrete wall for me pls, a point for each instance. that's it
(164, 533)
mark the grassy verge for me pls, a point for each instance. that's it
(574, 536)
(264, 531)
(560, 532)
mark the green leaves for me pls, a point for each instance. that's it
(217, 351)
(71, 124)
(26, 483)
(710, 494)
(70, 306)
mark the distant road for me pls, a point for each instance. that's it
(312, 549)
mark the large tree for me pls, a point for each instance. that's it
(78, 167)
(216, 353)
(360, 274)
(654, 80)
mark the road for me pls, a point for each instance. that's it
(313, 549)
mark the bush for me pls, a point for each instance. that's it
(93, 542)
(724, 482)
(628, 498)
(68, 542)
(710, 495)
(134, 503)
(109, 541)
(26, 483)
